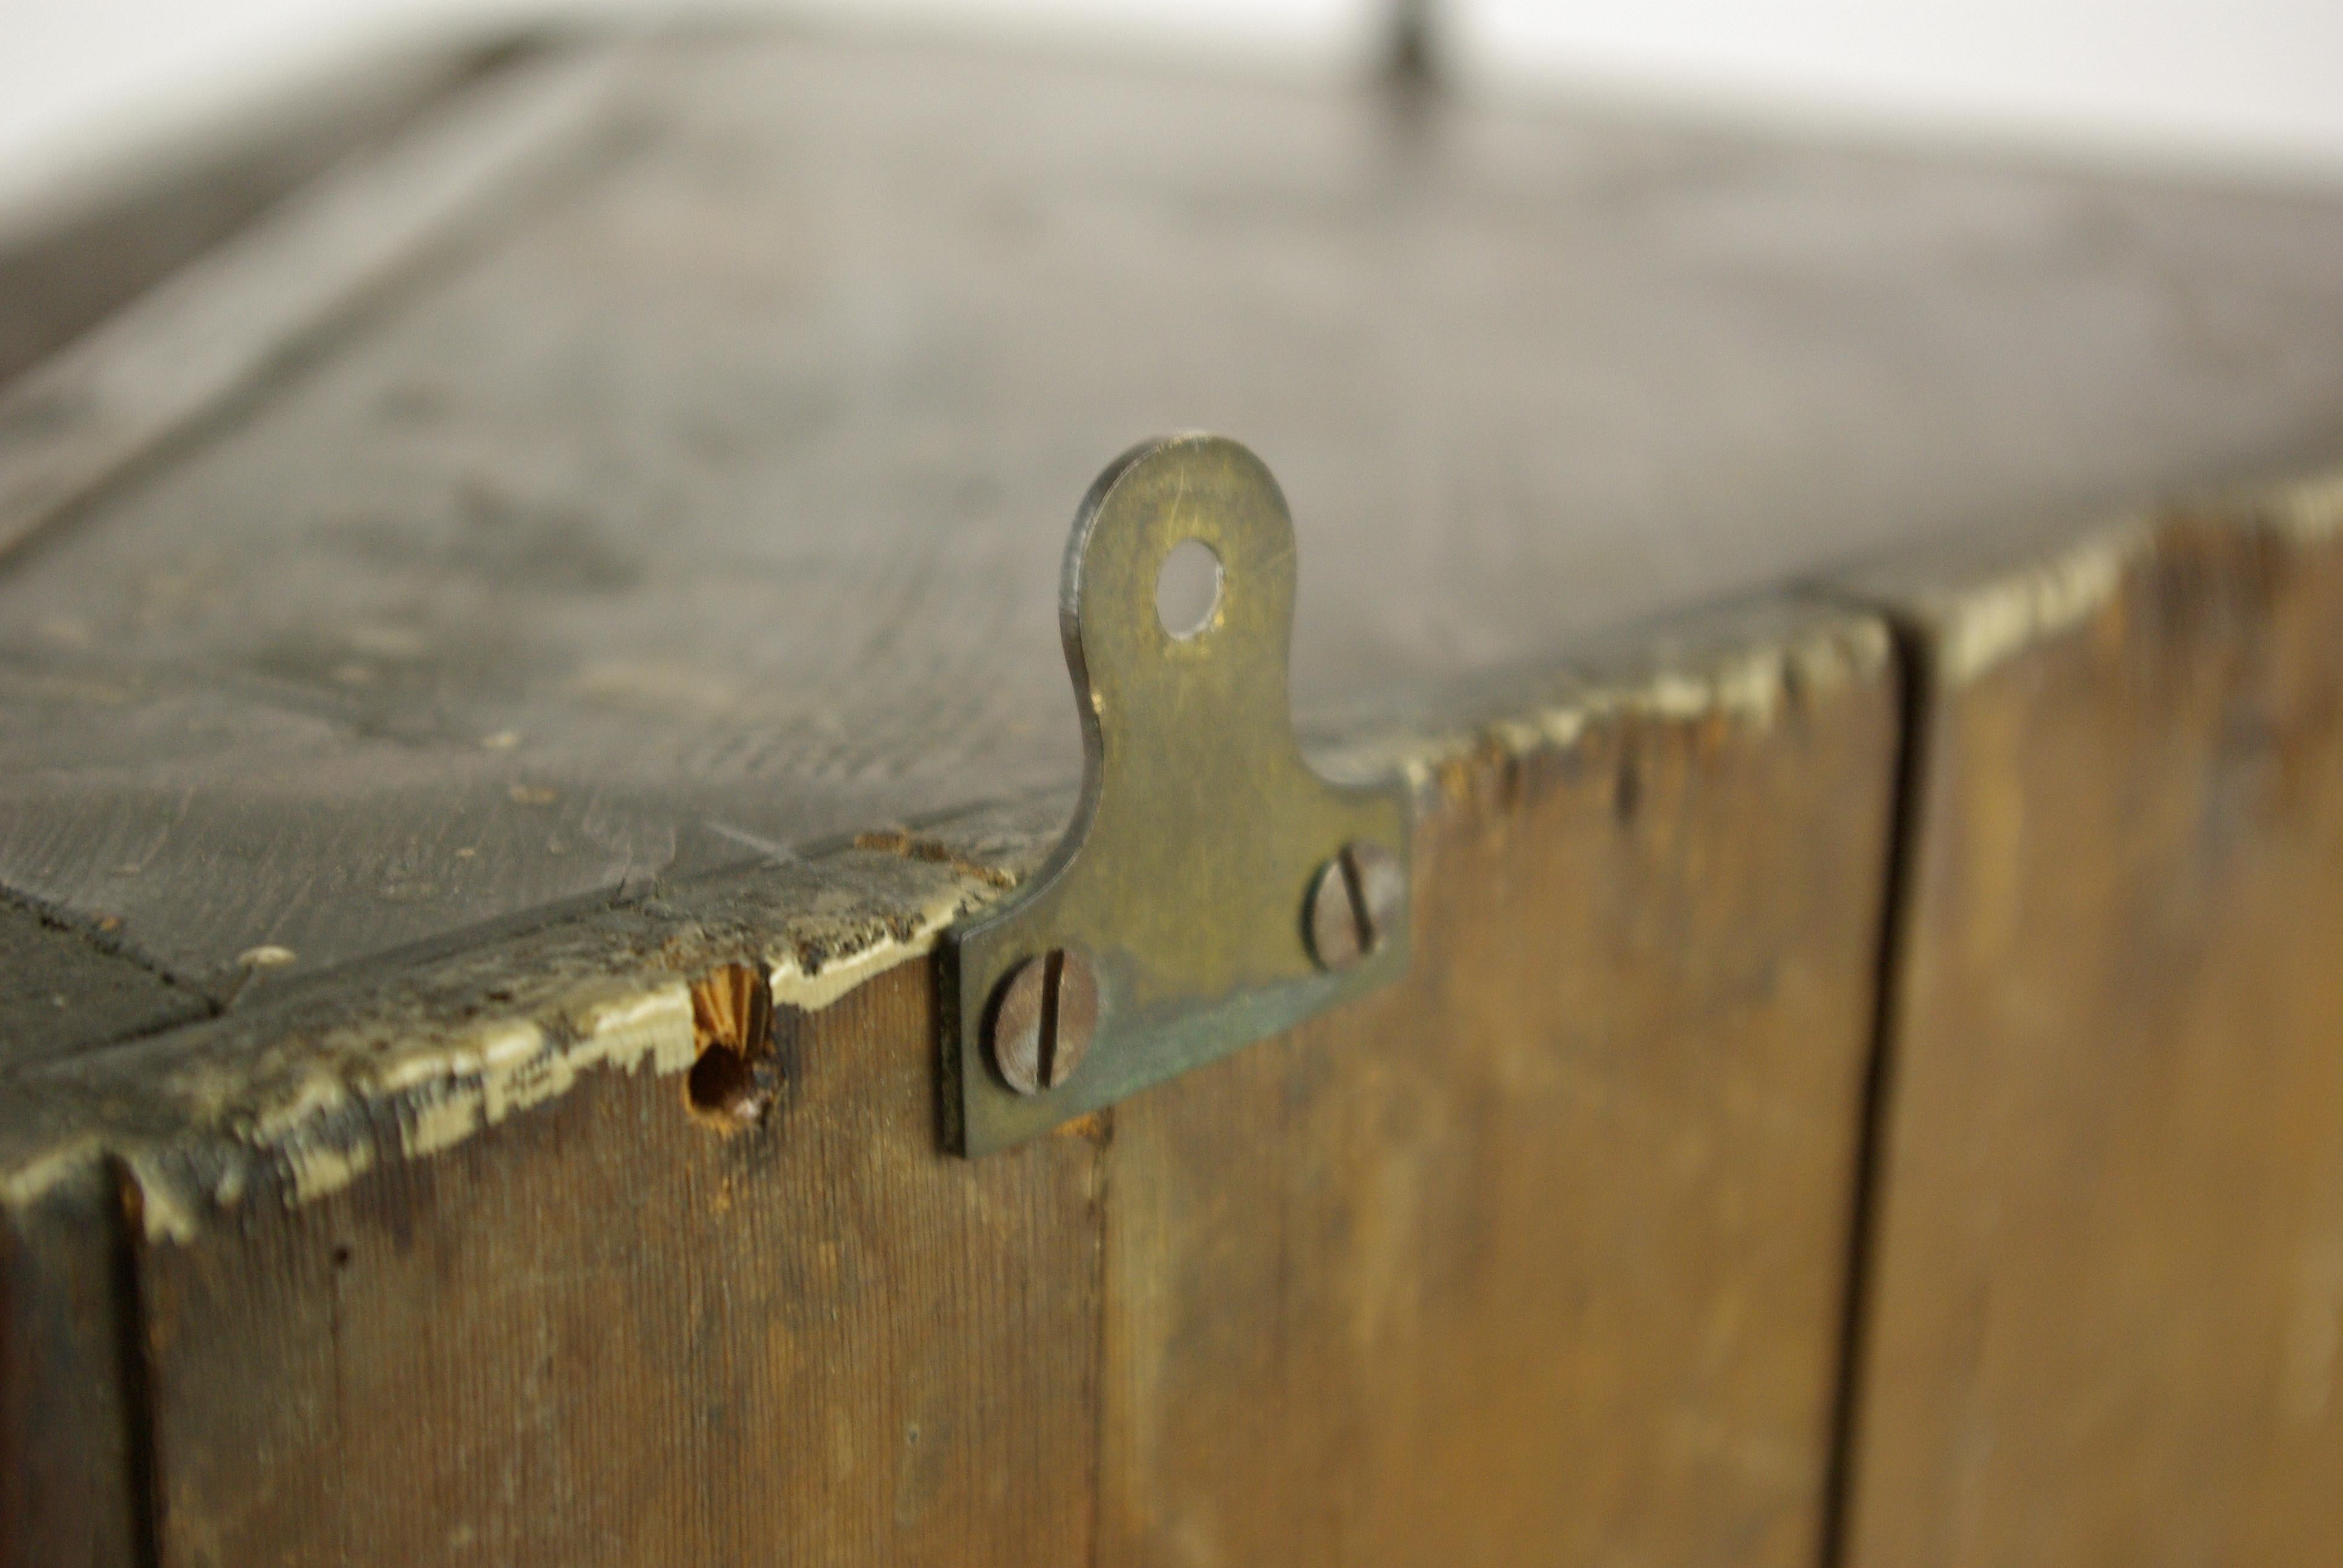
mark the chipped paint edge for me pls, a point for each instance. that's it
(430, 1094)
(1980, 619)
(441, 1093)
(1749, 683)
(1995, 618)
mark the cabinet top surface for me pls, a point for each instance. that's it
(706, 500)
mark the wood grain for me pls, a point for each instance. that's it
(1536, 1258)
(2104, 1319)
(609, 1334)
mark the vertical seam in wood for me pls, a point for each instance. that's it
(1913, 672)
(134, 1374)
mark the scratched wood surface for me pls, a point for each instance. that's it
(709, 495)
(2107, 1302)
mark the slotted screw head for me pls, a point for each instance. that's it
(1352, 902)
(1043, 1023)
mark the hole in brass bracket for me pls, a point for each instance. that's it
(1213, 888)
(1189, 588)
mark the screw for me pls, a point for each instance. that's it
(1042, 1025)
(1351, 901)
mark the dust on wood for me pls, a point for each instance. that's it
(1537, 1252)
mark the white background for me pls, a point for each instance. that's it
(2246, 87)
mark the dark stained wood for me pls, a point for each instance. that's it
(2105, 1319)
(1537, 1257)
(607, 1332)
(72, 1480)
(714, 495)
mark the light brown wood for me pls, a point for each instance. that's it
(1537, 1257)
(2107, 1302)
(609, 1334)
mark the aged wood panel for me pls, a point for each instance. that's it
(437, 1263)
(607, 1332)
(72, 1472)
(709, 512)
(1538, 1257)
(2106, 1308)
(715, 495)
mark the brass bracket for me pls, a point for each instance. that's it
(1213, 890)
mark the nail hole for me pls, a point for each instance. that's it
(733, 1080)
(1189, 589)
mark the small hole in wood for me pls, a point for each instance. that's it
(733, 1081)
(1189, 588)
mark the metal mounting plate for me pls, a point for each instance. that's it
(1187, 875)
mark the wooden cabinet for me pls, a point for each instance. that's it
(515, 660)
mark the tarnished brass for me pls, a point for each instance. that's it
(1188, 874)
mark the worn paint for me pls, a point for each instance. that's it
(1992, 620)
(34, 1180)
(321, 1167)
(2312, 510)
(1748, 685)
(448, 1087)
(811, 989)
(1988, 619)
(443, 1086)
(165, 1210)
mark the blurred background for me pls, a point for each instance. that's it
(2244, 87)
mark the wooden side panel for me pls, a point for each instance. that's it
(70, 1478)
(2106, 1319)
(1539, 1257)
(603, 1332)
